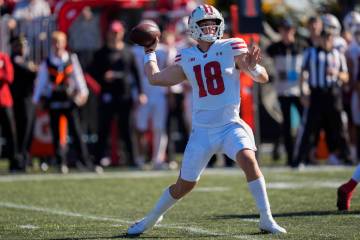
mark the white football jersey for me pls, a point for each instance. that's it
(214, 80)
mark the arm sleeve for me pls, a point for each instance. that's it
(237, 46)
(40, 82)
(78, 76)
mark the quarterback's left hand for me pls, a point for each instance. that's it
(248, 61)
(253, 57)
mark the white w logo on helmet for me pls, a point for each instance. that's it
(206, 12)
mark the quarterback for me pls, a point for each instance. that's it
(212, 68)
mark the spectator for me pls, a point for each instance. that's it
(4, 8)
(325, 70)
(154, 109)
(332, 24)
(89, 41)
(7, 121)
(113, 66)
(315, 26)
(351, 19)
(179, 97)
(85, 45)
(287, 58)
(31, 9)
(62, 89)
(22, 91)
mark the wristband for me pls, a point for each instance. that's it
(149, 57)
(256, 71)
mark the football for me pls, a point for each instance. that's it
(145, 33)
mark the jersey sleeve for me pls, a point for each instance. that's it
(237, 46)
(178, 57)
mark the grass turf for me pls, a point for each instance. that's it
(89, 206)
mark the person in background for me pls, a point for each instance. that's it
(4, 8)
(353, 55)
(314, 26)
(287, 58)
(22, 90)
(346, 190)
(31, 9)
(84, 45)
(324, 68)
(89, 41)
(155, 109)
(61, 89)
(350, 19)
(114, 68)
(7, 121)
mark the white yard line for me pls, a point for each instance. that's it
(154, 174)
(28, 226)
(301, 185)
(120, 222)
(211, 189)
(60, 212)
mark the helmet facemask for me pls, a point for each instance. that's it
(208, 33)
(211, 32)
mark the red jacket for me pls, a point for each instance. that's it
(6, 78)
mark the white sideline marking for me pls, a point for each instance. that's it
(60, 212)
(120, 222)
(250, 220)
(298, 185)
(28, 226)
(211, 189)
(154, 174)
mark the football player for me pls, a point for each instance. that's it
(353, 58)
(212, 68)
(346, 190)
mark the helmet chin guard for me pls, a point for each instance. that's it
(206, 12)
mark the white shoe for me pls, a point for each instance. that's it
(143, 225)
(269, 225)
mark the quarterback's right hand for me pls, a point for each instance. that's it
(152, 47)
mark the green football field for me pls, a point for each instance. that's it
(90, 206)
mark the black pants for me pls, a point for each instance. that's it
(73, 120)
(324, 112)
(24, 111)
(7, 125)
(107, 112)
(285, 105)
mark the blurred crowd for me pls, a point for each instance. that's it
(90, 83)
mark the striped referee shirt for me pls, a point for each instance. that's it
(318, 63)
